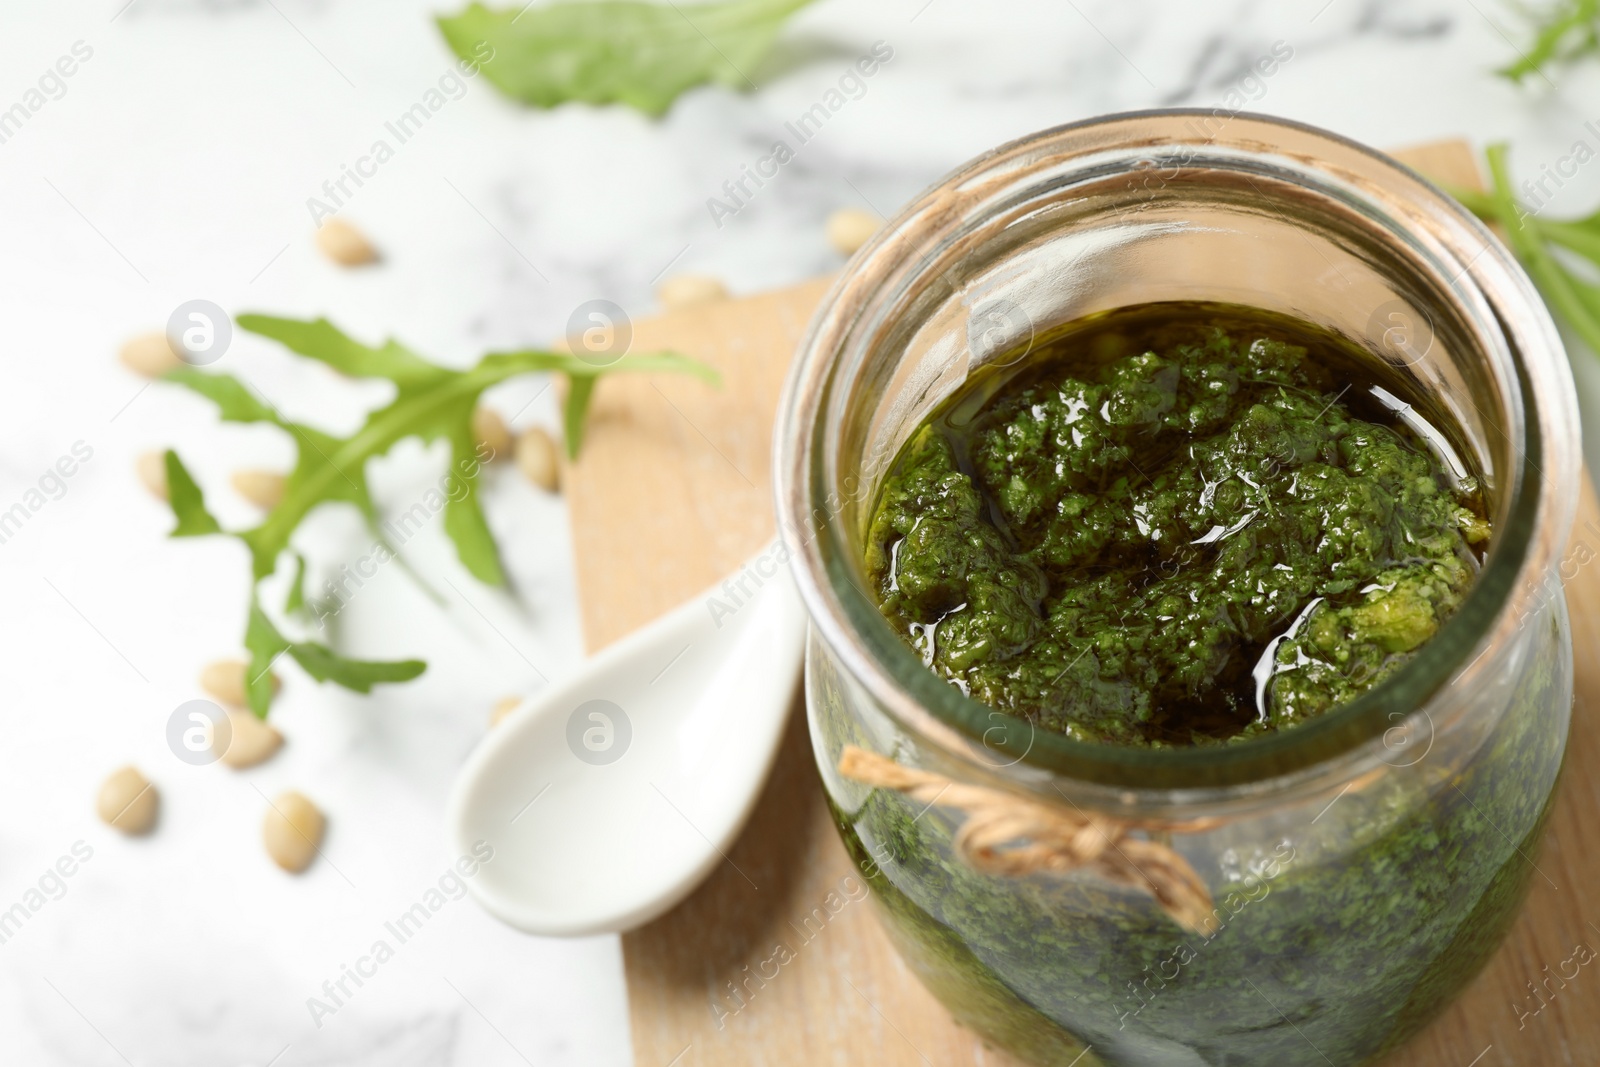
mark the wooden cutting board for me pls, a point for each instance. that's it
(672, 493)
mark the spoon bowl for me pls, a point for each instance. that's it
(609, 797)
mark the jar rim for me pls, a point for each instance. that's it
(1491, 289)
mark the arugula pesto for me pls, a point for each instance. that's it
(1336, 942)
(1174, 524)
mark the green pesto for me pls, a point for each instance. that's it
(1181, 525)
(1338, 940)
(1175, 524)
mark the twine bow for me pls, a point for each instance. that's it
(1006, 834)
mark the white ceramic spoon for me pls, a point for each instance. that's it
(610, 796)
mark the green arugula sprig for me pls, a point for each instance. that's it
(432, 403)
(1563, 32)
(1536, 239)
(623, 51)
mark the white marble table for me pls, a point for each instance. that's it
(177, 163)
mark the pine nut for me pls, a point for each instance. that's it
(490, 433)
(262, 488)
(128, 801)
(503, 707)
(152, 470)
(849, 228)
(225, 680)
(149, 354)
(293, 831)
(538, 460)
(687, 290)
(344, 244)
(251, 740)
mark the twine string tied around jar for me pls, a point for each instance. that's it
(1010, 835)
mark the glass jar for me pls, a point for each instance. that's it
(1362, 866)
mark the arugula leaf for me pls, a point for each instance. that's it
(265, 644)
(1563, 32)
(431, 403)
(188, 504)
(1534, 239)
(574, 412)
(323, 341)
(295, 602)
(624, 51)
(234, 402)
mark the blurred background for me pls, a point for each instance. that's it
(183, 159)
